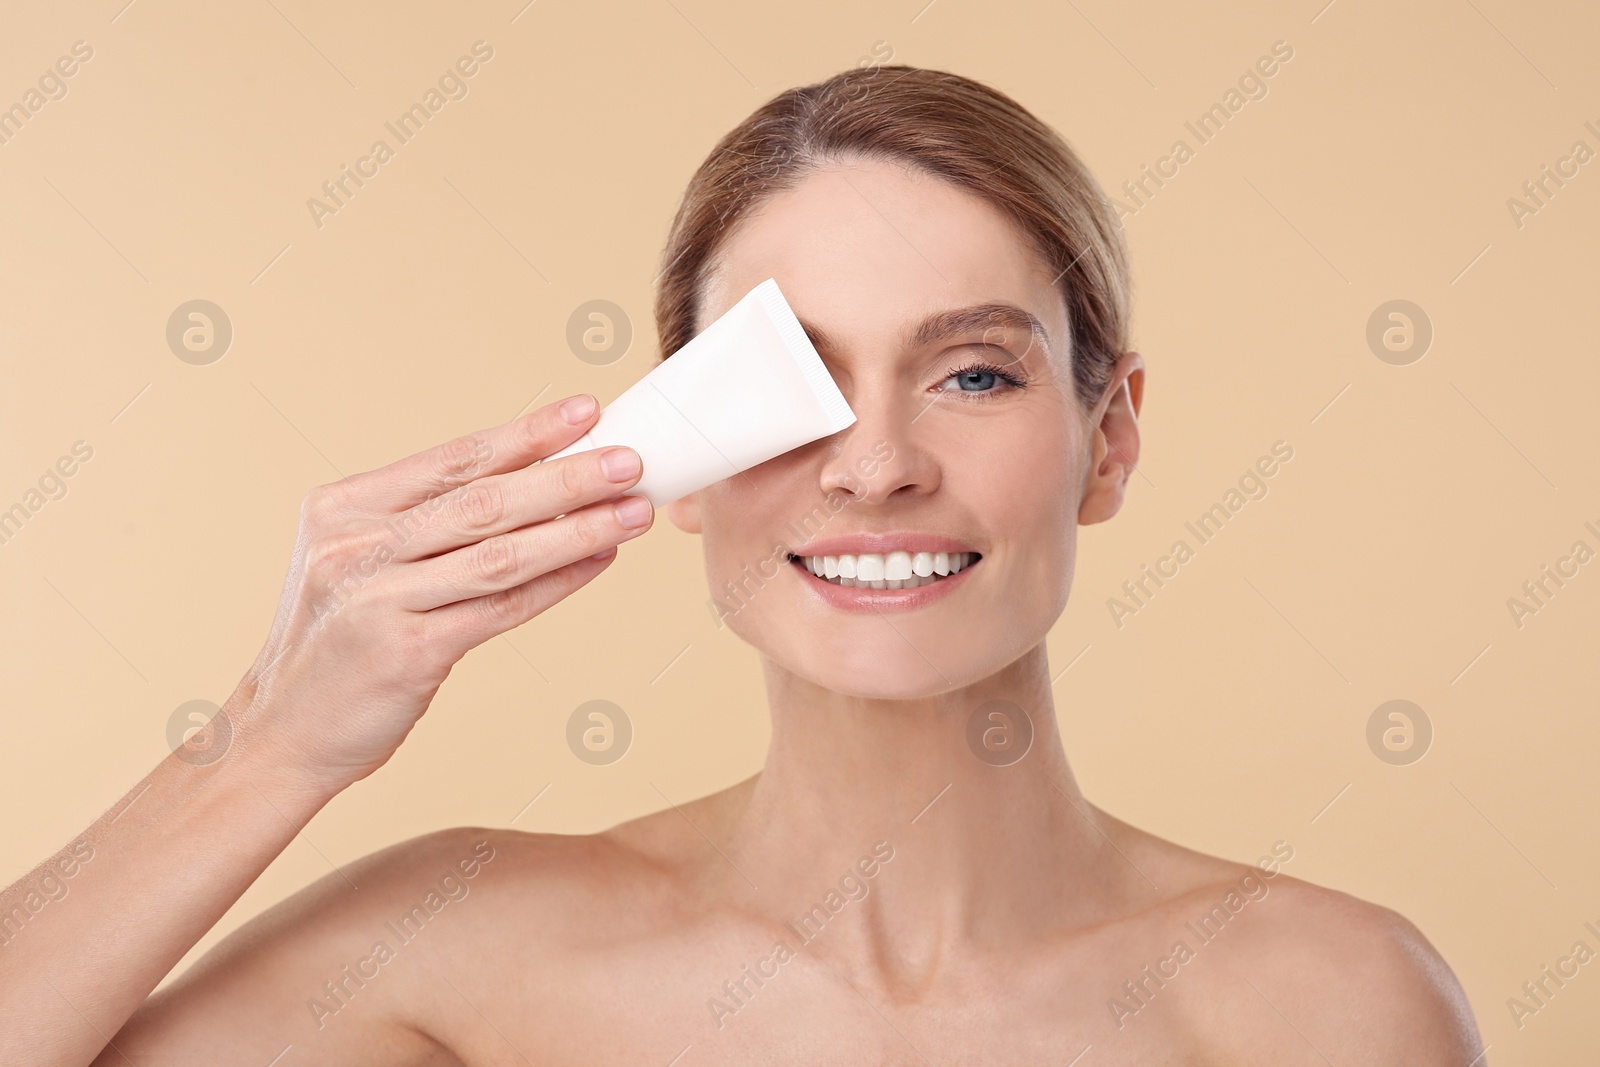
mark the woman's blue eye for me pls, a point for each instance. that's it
(981, 378)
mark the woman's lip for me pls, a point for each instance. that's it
(866, 599)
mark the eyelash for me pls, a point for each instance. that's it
(1010, 379)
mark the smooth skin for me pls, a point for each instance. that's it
(980, 914)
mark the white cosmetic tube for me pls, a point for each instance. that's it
(748, 387)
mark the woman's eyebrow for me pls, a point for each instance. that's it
(957, 321)
(949, 323)
(820, 338)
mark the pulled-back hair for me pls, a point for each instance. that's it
(939, 123)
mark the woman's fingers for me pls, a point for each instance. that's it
(511, 559)
(469, 623)
(438, 470)
(503, 502)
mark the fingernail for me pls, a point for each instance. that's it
(577, 409)
(620, 465)
(634, 512)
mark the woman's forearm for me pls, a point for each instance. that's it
(86, 936)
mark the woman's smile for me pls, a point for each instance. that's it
(869, 598)
(884, 572)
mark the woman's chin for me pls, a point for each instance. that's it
(882, 673)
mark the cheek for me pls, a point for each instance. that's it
(729, 550)
(744, 517)
(1032, 483)
(1032, 513)
(741, 542)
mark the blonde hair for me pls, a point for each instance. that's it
(940, 123)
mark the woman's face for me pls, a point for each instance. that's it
(870, 256)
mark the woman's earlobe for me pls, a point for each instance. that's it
(685, 513)
(1107, 479)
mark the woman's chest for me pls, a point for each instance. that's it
(691, 999)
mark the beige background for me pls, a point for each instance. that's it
(1229, 713)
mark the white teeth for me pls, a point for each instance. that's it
(894, 570)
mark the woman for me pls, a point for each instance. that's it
(914, 876)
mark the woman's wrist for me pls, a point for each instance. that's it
(262, 754)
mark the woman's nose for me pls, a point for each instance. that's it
(882, 455)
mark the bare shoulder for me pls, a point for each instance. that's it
(381, 956)
(1358, 981)
(318, 969)
(585, 893)
(1291, 964)
(641, 872)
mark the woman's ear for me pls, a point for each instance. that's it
(1114, 447)
(685, 513)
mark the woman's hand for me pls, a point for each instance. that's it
(398, 572)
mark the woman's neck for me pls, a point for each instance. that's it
(986, 852)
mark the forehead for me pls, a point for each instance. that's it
(863, 249)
